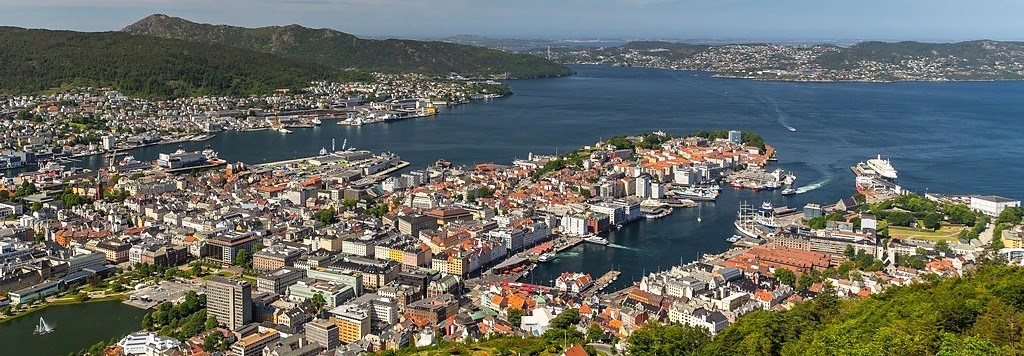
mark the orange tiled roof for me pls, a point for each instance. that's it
(576, 350)
(585, 309)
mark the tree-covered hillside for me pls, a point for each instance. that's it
(38, 60)
(980, 314)
(342, 50)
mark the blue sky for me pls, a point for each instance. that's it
(748, 19)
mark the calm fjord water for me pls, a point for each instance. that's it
(944, 137)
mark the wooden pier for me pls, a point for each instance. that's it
(605, 280)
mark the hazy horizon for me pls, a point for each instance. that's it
(739, 20)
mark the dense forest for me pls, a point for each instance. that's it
(342, 50)
(39, 60)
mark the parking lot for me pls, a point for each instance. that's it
(149, 296)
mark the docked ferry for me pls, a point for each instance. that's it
(709, 193)
(876, 176)
(184, 160)
(130, 164)
(882, 167)
(876, 167)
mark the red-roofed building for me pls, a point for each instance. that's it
(575, 350)
(64, 237)
(574, 282)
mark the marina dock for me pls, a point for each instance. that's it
(567, 243)
(605, 280)
(509, 263)
(284, 162)
(195, 168)
(399, 166)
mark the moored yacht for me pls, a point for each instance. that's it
(594, 239)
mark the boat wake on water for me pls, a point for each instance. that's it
(816, 184)
(780, 117)
(621, 247)
(568, 254)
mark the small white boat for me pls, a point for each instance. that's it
(284, 130)
(594, 239)
(316, 121)
(545, 257)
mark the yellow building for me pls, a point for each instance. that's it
(1012, 239)
(395, 254)
(460, 263)
(353, 322)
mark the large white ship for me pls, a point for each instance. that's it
(882, 167)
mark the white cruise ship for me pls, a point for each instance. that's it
(882, 167)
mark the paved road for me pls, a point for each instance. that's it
(602, 348)
(986, 236)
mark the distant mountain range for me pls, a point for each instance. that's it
(32, 61)
(163, 56)
(342, 50)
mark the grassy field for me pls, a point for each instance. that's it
(946, 232)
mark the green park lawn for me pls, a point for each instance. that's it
(946, 232)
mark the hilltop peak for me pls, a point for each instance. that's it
(154, 20)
